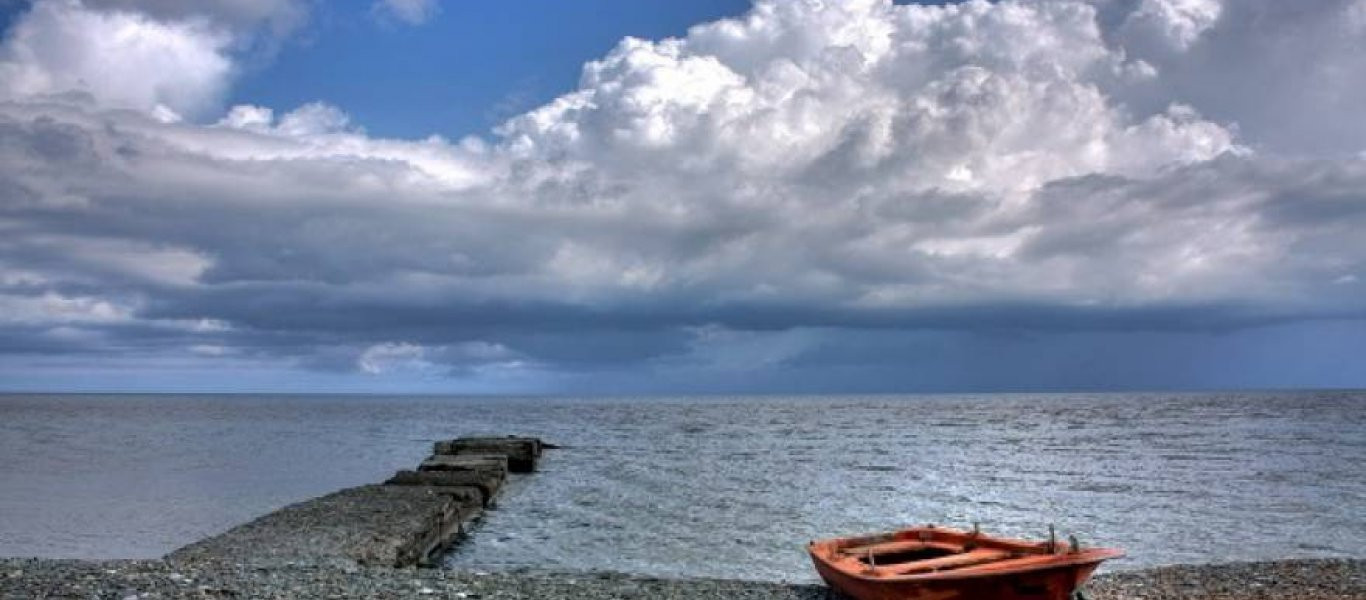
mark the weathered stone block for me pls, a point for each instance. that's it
(485, 463)
(487, 483)
(368, 525)
(522, 452)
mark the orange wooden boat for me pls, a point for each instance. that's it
(941, 563)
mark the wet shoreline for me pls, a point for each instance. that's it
(1313, 579)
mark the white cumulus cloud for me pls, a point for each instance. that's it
(123, 59)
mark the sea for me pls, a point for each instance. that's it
(729, 487)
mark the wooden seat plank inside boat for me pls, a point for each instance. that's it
(903, 547)
(966, 559)
(1017, 564)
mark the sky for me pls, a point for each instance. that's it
(658, 197)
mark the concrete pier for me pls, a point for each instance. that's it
(410, 520)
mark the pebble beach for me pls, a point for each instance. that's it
(1318, 579)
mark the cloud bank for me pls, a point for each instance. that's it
(845, 186)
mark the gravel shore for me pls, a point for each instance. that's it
(1329, 579)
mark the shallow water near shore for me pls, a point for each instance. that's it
(717, 487)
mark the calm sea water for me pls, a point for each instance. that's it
(725, 487)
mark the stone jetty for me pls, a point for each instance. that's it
(411, 519)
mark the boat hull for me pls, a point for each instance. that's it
(940, 563)
(1056, 583)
